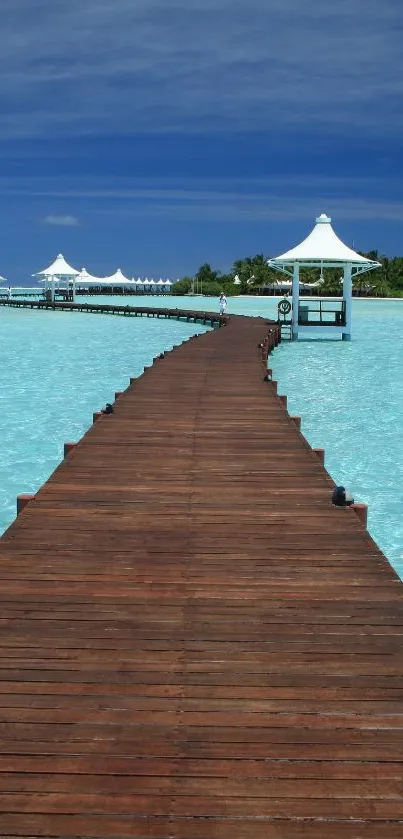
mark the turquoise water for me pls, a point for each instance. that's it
(350, 398)
(57, 368)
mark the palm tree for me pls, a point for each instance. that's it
(205, 274)
(381, 286)
(332, 282)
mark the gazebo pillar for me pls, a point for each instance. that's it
(52, 289)
(347, 298)
(73, 296)
(295, 301)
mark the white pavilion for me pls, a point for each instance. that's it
(322, 249)
(58, 270)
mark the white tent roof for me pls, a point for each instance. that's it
(118, 278)
(322, 246)
(59, 268)
(87, 279)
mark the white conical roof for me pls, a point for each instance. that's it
(59, 268)
(85, 277)
(117, 278)
(323, 245)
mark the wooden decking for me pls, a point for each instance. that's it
(195, 643)
(189, 315)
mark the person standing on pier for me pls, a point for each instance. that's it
(223, 303)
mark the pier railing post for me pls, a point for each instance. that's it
(68, 447)
(22, 501)
(320, 454)
(361, 510)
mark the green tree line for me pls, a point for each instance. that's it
(252, 274)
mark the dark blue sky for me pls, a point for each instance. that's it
(153, 135)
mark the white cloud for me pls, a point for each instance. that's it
(62, 221)
(111, 66)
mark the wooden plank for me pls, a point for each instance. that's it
(194, 641)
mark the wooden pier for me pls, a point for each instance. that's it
(195, 643)
(189, 315)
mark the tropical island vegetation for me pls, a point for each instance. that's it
(252, 275)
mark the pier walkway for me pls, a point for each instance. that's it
(195, 643)
(189, 315)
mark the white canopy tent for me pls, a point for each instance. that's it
(85, 279)
(58, 270)
(322, 249)
(117, 279)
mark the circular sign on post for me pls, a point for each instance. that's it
(284, 307)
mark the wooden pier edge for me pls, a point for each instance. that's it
(190, 315)
(195, 641)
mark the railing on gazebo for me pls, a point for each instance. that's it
(322, 313)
